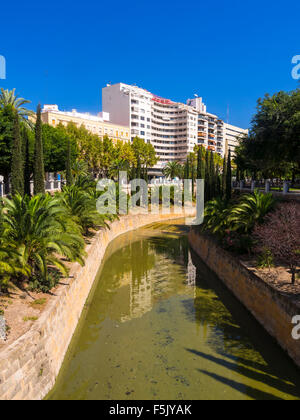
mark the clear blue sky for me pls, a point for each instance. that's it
(228, 52)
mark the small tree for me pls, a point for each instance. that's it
(17, 164)
(281, 235)
(39, 172)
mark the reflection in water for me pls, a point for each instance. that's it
(161, 325)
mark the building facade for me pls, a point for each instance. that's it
(99, 125)
(232, 136)
(211, 129)
(173, 128)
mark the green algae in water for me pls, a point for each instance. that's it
(160, 325)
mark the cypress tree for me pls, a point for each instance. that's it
(17, 163)
(146, 178)
(224, 177)
(39, 171)
(133, 173)
(207, 178)
(212, 176)
(199, 163)
(187, 168)
(138, 176)
(229, 178)
(238, 174)
(138, 169)
(69, 176)
(218, 182)
(27, 166)
(193, 179)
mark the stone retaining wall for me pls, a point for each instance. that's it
(272, 309)
(29, 366)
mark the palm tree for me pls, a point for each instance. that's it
(81, 207)
(86, 184)
(79, 169)
(10, 266)
(117, 166)
(9, 98)
(216, 216)
(250, 210)
(39, 233)
(172, 170)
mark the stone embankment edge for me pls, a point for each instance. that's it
(271, 308)
(29, 366)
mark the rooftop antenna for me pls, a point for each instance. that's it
(228, 114)
(195, 94)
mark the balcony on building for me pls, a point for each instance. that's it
(201, 134)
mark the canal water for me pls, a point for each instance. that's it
(160, 325)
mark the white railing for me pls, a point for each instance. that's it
(50, 186)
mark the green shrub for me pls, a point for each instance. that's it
(38, 233)
(234, 221)
(251, 209)
(265, 260)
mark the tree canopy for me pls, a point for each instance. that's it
(272, 148)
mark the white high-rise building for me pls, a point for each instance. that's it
(173, 128)
(210, 128)
(232, 137)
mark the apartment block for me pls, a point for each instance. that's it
(97, 124)
(211, 128)
(232, 136)
(173, 128)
